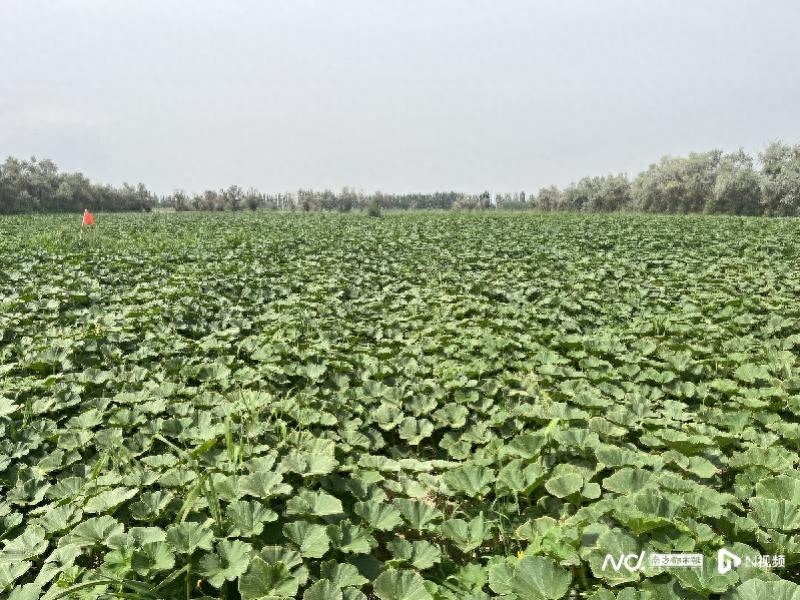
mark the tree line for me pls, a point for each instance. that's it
(707, 182)
(28, 186)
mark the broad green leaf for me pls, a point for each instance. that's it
(267, 581)
(776, 514)
(187, 537)
(756, 589)
(400, 585)
(317, 504)
(501, 572)
(540, 578)
(272, 554)
(29, 544)
(470, 480)
(341, 574)
(466, 535)
(323, 590)
(96, 530)
(350, 538)
(420, 554)
(7, 407)
(311, 539)
(564, 485)
(379, 515)
(229, 560)
(419, 514)
(152, 558)
(264, 485)
(246, 518)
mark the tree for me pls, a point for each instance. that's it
(677, 184)
(347, 199)
(780, 179)
(38, 186)
(737, 189)
(610, 193)
(179, 200)
(548, 198)
(253, 199)
(232, 198)
(578, 196)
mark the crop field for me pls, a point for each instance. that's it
(414, 407)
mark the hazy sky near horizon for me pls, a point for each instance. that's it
(391, 95)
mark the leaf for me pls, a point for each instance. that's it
(96, 530)
(145, 535)
(118, 563)
(527, 445)
(775, 514)
(323, 590)
(705, 579)
(627, 480)
(272, 554)
(315, 371)
(516, 477)
(564, 485)
(230, 560)
(246, 518)
(350, 538)
(150, 505)
(264, 485)
(750, 373)
(471, 576)
(317, 504)
(152, 558)
(379, 515)
(413, 431)
(598, 541)
(782, 487)
(756, 589)
(419, 554)
(59, 518)
(400, 585)
(342, 574)
(352, 594)
(267, 581)
(29, 591)
(417, 513)
(11, 571)
(7, 407)
(187, 537)
(29, 544)
(501, 572)
(466, 535)
(539, 578)
(311, 539)
(470, 480)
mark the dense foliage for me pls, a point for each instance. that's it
(441, 406)
(710, 182)
(30, 186)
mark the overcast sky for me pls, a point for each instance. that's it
(404, 95)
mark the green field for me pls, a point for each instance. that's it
(413, 407)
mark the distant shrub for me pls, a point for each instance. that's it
(374, 209)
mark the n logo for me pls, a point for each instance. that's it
(727, 560)
(632, 562)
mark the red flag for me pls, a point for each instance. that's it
(88, 219)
